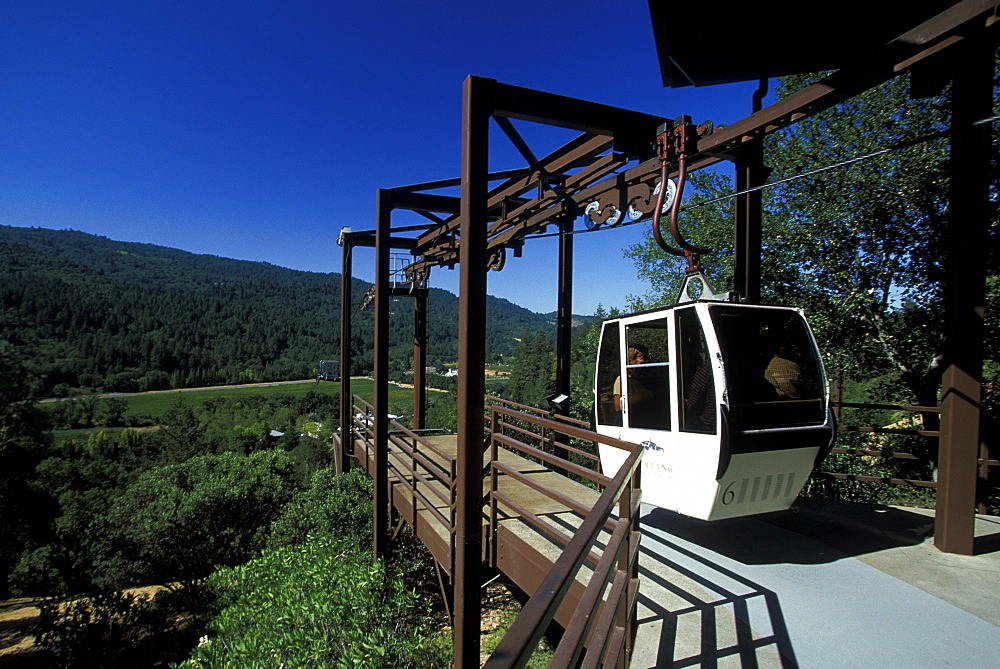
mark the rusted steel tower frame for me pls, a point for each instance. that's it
(750, 172)
(564, 321)
(348, 240)
(382, 491)
(479, 232)
(387, 200)
(965, 301)
(467, 577)
(564, 309)
(482, 99)
(342, 457)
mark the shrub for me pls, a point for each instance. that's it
(335, 506)
(321, 604)
(176, 523)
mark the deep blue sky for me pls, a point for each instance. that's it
(256, 130)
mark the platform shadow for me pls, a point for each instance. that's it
(700, 614)
(821, 531)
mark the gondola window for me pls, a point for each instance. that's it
(771, 366)
(698, 404)
(608, 374)
(647, 377)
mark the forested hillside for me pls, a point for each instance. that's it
(88, 312)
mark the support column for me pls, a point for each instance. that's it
(419, 362)
(342, 459)
(381, 360)
(750, 172)
(961, 386)
(564, 326)
(564, 314)
(476, 111)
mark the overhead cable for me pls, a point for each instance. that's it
(895, 147)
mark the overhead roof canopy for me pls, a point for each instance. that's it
(700, 45)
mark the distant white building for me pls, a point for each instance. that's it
(451, 372)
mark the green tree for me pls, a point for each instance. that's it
(23, 512)
(77, 486)
(858, 246)
(533, 375)
(583, 358)
(178, 522)
(338, 506)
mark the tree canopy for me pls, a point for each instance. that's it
(90, 313)
(859, 246)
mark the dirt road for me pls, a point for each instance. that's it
(185, 390)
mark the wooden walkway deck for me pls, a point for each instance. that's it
(423, 497)
(565, 534)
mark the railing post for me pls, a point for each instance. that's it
(625, 613)
(494, 483)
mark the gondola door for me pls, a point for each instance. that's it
(635, 384)
(644, 393)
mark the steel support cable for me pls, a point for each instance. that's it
(825, 168)
(801, 175)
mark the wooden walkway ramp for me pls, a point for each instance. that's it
(523, 552)
(543, 501)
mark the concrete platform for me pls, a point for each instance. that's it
(834, 585)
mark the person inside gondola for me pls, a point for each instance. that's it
(637, 392)
(643, 408)
(783, 373)
(699, 400)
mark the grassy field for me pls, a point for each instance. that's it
(156, 404)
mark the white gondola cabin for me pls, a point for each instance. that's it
(729, 400)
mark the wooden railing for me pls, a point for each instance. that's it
(931, 453)
(879, 453)
(425, 473)
(492, 400)
(603, 625)
(549, 439)
(423, 483)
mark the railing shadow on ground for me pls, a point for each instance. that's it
(704, 614)
(855, 528)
